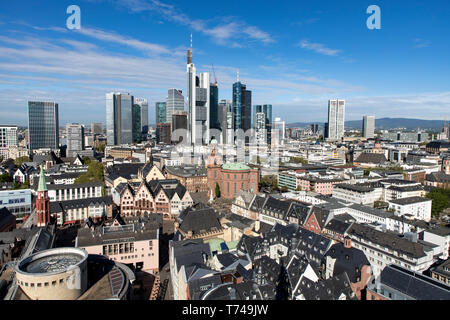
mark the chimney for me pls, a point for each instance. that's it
(347, 242)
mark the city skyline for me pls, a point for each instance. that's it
(397, 70)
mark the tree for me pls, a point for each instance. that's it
(86, 160)
(217, 190)
(284, 189)
(440, 200)
(5, 178)
(298, 160)
(94, 173)
(19, 161)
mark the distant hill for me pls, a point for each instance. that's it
(384, 123)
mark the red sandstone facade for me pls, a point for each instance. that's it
(232, 181)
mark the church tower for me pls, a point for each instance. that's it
(42, 202)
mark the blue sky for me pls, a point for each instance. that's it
(294, 55)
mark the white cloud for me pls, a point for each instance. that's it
(318, 47)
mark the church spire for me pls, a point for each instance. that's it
(42, 183)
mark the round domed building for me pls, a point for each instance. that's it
(232, 178)
(59, 273)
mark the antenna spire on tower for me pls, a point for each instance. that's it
(191, 41)
(237, 76)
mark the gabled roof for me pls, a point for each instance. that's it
(200, 221)
(330, 289)
(348, 260)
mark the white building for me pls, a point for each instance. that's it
(385, 248)
(75, 139)
(358, 193)
(417, 207)
(336, 118)
(368, 127)
(8, 139)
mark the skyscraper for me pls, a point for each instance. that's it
(43, 125)
(136, 120)
(242, 106)
(163, 133)
(119, 118)
(198, 98)
(174, 102)
(226, 122)
(336, 118)
(214, 106)
(191, 95)
(278, 131)
(368, 127)
(143, 104)
(263, 122)
(160, 108)
(75, 139)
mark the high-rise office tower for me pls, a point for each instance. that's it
(119, 117)
(191, 95)
(278, 131)
(8, 139)
(336, 118)
(315, 128)
(136, 120)
(180, 125)
(160, 108)
(260, 128)
(242, 106)
(174, 102)
(368, 127)
(143, 104)
(97, 128)
(43, 125)
(226, 121)
(75, 139)
(214, 106)
(267, 119)
(202, 109)
(198, 97)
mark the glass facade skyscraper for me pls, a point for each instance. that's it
(136, 119)
(242, 106)
(143, 104)
(160, 108)
(43, 125)
(336, 118)
(214, 107)
(174, 102)
(119, 118)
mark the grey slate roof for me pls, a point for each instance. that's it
(387, 240)
(330, 289)
(62, 206)
(409, 200)
(200, 221)
(348, 260)
(414, 285)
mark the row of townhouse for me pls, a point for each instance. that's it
(168, 197)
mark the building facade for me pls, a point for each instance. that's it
(43, 125)
(119, 124)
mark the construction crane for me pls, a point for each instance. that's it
(214, 72)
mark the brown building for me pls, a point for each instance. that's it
(7, 220)
(194, 178)
(414, 175)
(232, 178)
(163, 133)
(121, 153)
